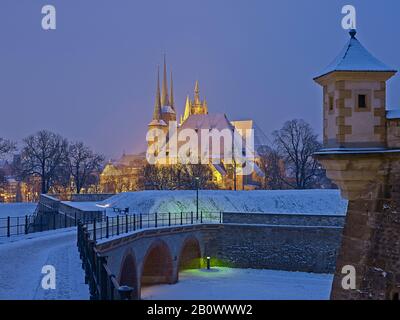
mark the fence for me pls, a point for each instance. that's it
(10, 226)
(13, 226)
(102, 283)
(113, 226)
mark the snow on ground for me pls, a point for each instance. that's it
(243, 284)
(17, 213)
(17, 209)
(268, 201)
(22, 259)
(84, 206)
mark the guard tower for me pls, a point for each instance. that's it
(362, 156)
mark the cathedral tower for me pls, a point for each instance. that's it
(196, 106)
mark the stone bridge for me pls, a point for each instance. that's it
(155, 256)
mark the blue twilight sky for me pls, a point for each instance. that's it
(93, 79)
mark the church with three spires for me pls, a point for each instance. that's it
(125, 171)
(196, 116)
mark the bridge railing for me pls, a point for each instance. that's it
(111, 226)
(102, 283)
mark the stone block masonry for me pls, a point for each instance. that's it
(290, 248)
(284, 219)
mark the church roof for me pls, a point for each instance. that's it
(207, 121)
(355, 57)
(167, 109)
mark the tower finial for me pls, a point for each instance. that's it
(157, 103)
(187, 111)
(353, 33)
(164, 94)
(172, 102)
(196, 93)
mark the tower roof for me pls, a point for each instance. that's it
(355, 57)
(157, 104)
(171, 97)
(164, 93)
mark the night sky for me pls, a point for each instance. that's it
(93, 79)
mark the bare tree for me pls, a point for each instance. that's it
(177, 177)
(6, 146)
(296, 143)
(82, 163)
(44, 154)
(273, 168)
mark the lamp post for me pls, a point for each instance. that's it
(233, 159)
(197, 198)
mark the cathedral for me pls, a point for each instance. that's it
(196, 116)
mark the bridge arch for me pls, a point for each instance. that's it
(190, 254)
(128, 273)
(157, 265)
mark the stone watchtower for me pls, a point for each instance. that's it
(362, 156)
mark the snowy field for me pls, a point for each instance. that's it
(17, 209)
(268, 201)
(22, 259)
(243, 284)
(16, 212)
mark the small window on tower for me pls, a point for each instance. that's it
(331, 101)
(362, 101)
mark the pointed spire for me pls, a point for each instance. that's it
(157, 103)
(164, 94)
(188, 106)
(172, 94)
(196, 93)
(205, 105)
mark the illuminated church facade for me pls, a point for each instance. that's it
(195, 116)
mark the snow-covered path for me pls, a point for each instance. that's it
(22, 259)
(243, 284)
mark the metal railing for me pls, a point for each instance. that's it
(107, 227)
(20, 225)
(103, 285)
(10, 226)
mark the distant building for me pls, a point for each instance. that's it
(124, 174)
(196, 116)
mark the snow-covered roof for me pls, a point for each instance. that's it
(207, 121)
(393, 114)
(354, 57)
(157, 123)
(334, 151)
(167, 109)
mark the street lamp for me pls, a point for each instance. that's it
(208, 263)
(197, 197)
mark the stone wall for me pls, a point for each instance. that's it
(371, 238)
(393, 133)
(284, 219)
(291, 248)
(54, 213)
